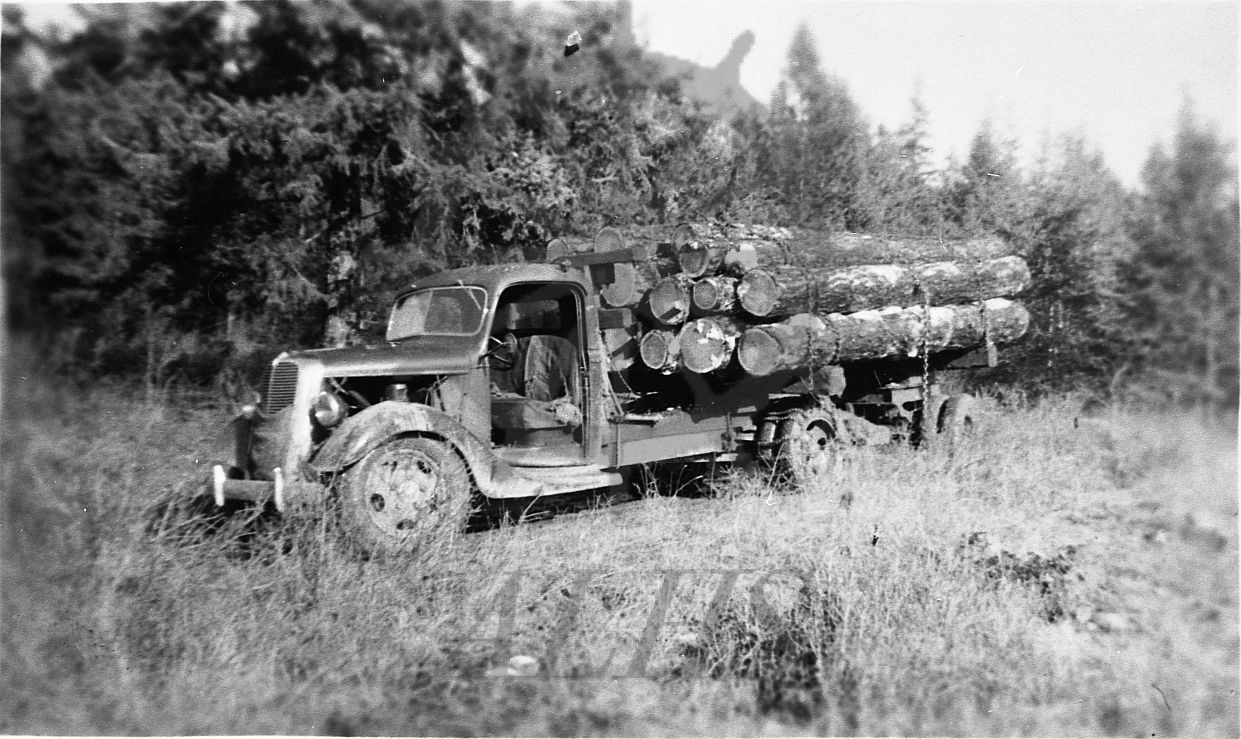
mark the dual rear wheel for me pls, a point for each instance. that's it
(809, 445)
(955, 419)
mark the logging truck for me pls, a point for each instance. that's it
(529, 380)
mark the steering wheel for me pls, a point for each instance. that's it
(503, 351)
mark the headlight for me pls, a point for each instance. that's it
(329, 410)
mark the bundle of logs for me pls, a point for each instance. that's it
(781, 299)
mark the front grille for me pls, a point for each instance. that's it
(281, 387)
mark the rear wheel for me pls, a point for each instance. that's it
(809, 447)
(408, 494)
(956, 417)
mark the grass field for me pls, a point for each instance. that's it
(1053, 575)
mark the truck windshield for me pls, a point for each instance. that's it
(439, 311)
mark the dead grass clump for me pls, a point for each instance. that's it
(1048, 575)
(779, 651)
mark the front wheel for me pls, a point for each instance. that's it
(410, 494)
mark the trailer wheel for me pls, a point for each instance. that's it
(956, 417)
(406, 495)
(808, 446)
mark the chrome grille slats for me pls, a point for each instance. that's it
(281, 387)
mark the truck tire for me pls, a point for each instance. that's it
(409, 494)
(955, 420)
(809, 446)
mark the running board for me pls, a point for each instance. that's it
(533, 482)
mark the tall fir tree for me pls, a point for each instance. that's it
(1184, 279)
(986, 193)
(814, 151)
(1072, 234)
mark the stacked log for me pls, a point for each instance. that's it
(706, 344)
(566, 246)
(660, 350)
(801, 341)
(740, 247)
(623, 285)
(786, 290)
(790, 300)
(668, 301)
(713, 295)
(609, 238)
(808, 340)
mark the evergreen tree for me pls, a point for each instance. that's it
(1073, 237)
(986, 192)
(894, 192)
(1184, 279)
(813, 154)
(271, 174)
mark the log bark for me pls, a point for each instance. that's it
(567, 246)
(660, 350)
(713, 295)
(874, 334)
(1006, 320)
(801, 341)
(707, 344)
(943, 283)
(848, 249)
(668, 301)
(751, 246)
(808, 340)
(786, 289)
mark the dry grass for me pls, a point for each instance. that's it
(1044, 577)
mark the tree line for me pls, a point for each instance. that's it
(191, 187)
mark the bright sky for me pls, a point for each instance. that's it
(1115, 71)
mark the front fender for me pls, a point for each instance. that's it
(366, 430)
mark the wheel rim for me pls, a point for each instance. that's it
(812, 451)
(401, 490)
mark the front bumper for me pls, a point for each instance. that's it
(279, 492)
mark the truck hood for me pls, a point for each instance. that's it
(420, 355)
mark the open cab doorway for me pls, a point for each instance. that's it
(537, 374)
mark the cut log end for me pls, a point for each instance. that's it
(714, 295)
(758, 293)
(705, 295)
(658, 350)
(682, 235)
(626, 288)
(557, 248)
(669, 301)
(693, 260)
(608, 239)
(758, 352)
(707, 344)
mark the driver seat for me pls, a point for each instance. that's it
(542, 380)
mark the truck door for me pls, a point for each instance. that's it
(540, 409)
